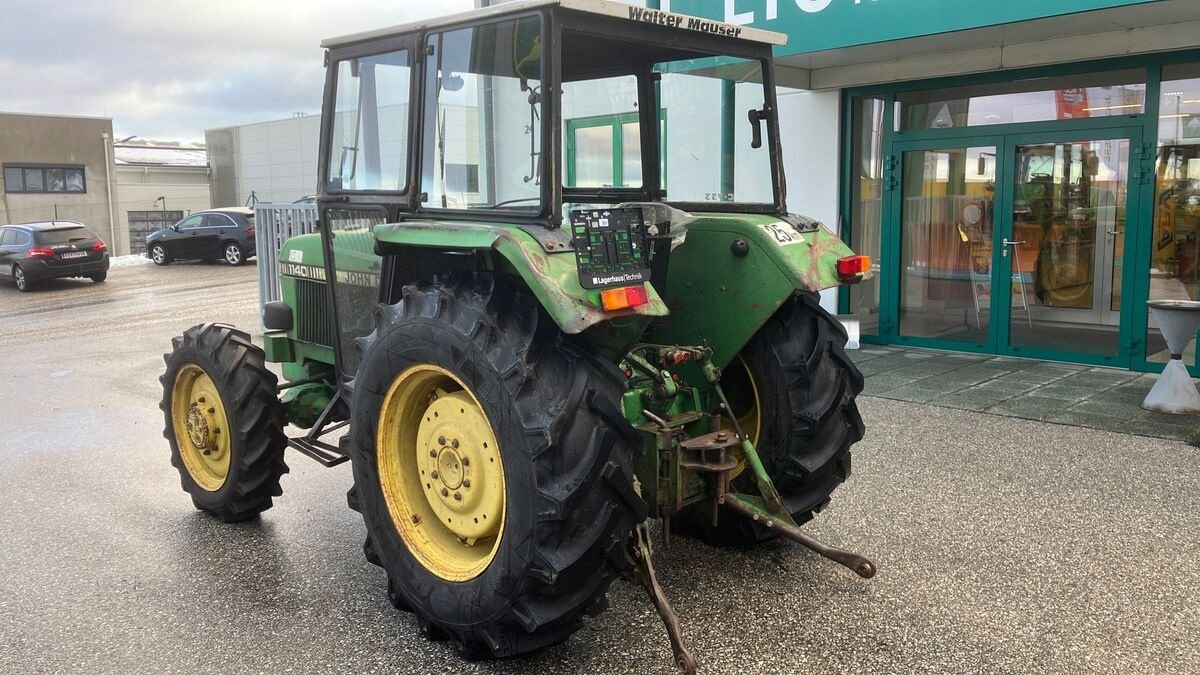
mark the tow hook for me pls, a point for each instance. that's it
(644, 574)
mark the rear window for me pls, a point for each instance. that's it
(63, 235)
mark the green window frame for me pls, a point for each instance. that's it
(617, 122)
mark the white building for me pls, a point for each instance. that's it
(274, 161)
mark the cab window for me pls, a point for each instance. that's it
(483, 117)
(369, 135)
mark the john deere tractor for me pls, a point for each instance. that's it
(555, 292)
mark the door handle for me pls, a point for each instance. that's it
(1113, 233)
(1013, 243)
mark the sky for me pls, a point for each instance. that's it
(169, 69)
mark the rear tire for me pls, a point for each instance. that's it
(565, 452)
(158, 253)
(242, 429)
(233, 254)
(99, 277)
(806, 389)
(23, 282)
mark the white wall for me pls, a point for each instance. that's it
(278, 160)
(810, 133)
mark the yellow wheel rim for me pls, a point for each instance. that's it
(202, 431)
(440, 472)
(745, 404)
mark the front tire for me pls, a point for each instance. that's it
(233, 253)
(471, 369)
(158, 253)
(223, 421)
(794, 391)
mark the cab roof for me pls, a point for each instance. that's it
(606, 8)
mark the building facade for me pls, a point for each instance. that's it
(159, 184)
(58, 167)
(1025, 175)
(274, 161)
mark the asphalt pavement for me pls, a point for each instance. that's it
(1004, 545)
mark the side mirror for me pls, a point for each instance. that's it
(175, 227)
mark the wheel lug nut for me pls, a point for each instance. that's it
(433, 453)
(466, 482)
(433, 474)
(466, 461)
(441, 440)
(200, 400)
(212, 410)
(445, 492)
(458, 496)
(454, 444)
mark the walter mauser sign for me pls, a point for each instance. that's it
(816, 25)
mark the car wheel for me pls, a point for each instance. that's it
(159, 255)
(234, 254)
(99, 277)
(18, 275)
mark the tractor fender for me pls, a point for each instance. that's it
(551, 276)
(734, 271)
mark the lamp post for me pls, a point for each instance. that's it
(164, 210)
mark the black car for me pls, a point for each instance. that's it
(221, 234)
(33, 252)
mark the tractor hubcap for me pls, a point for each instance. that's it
(201, 427)
(440, 472)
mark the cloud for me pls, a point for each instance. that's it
(169, 69)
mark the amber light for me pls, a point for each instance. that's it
(852, 266)
(621, 298)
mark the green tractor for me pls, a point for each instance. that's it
(555, 293)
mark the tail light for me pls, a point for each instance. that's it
(851, 267)
(621, 298)
(40, 253)
(250, 230)
(100, 246)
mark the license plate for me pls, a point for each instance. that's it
(74, 254)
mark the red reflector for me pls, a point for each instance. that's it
(621, 298)
(853, 265)
(99, 246)
(41, 253)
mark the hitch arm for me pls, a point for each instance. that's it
(644, 574)
(748, 507)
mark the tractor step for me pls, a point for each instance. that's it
(325, 454)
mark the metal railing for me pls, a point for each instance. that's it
(274, 224)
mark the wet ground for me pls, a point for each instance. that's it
(1004, 544)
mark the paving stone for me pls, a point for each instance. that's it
(1029, 407)
(970, 399)
(915, 393)
(1066, 392)
(1105, 378)
(1079, 418)
(878, 384)
(1006, 386)
(1115, 411)
(1034, 376)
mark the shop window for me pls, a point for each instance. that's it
(1108, 94)
(43, 178)
(866, 206)
(1175, 250)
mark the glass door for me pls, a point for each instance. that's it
(1063, 245)
(946, 204)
